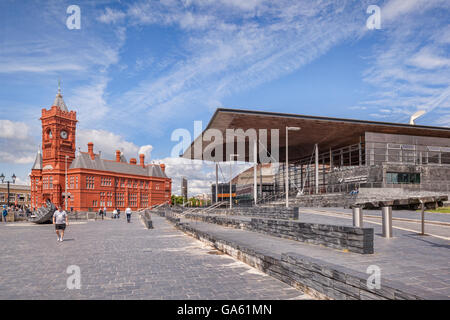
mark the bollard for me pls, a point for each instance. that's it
(422, 214)
(386, 213)
(357, 217)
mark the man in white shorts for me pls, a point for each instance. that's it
(128, 212)
(60, 220)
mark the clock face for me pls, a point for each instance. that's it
(64, 134)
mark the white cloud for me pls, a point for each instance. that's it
(357, 108)
(409, 69)
(111, 16)
(427, 59)
(394, 11)
(106, 142)
(244, 5)
(89, 102)
(13, 156)
(228, 51)
(37, 67)
(13, 130)
(16, 145)
(23, 180)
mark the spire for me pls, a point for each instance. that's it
(38, 161)
(59, 102)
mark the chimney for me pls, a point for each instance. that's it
(141, 160)
(133, 161)
(117, 155)
(91, 150)
(163, 167)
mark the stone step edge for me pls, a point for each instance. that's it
(367, 245)
(328, 283)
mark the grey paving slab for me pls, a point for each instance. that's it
(409, 214)
(125, 261)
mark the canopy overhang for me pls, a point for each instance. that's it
(326, 132)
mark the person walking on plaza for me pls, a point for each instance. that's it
(104, 211)
(4, 213)
(128, 212)
(114, 214)
(60, 220)
(100, 212)
(118, 213)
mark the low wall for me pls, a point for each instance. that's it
(223, 221)
(159, 212)
(353, 239)
(263, 212)
(314, 277)
(146, 219)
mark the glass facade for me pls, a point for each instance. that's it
(402, 178)
(347, 168)
(402, 149)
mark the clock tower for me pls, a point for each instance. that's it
(58, 134)
(58, 150)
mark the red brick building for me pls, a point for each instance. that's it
(92, 182)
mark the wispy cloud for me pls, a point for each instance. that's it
(16, 144)
(427, 58)
(89, 102)
(232, 46)
(410, 69)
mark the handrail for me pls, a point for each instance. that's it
(202, 209)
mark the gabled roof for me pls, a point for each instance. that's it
(84, 161)
(38, 161)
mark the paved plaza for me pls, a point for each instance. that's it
(125, 261)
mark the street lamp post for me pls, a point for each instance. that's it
(286, 170)
(231, 178)
(2, 177)
(65, 196)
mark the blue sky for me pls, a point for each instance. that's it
(137, 70)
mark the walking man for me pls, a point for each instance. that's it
(128, 212)
(60, 220)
